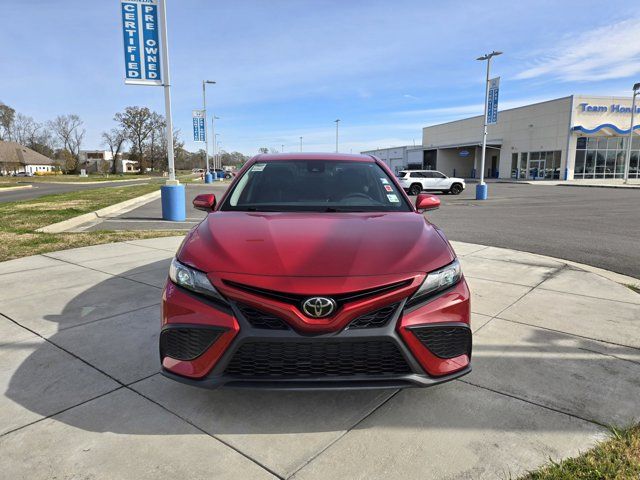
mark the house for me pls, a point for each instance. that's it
(16, 158)
(101, 161)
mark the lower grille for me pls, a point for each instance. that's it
(317, 359)
(376, 319)
(259, 319)
(187, 343)
(445, 341)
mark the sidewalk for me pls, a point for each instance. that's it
(556, 356)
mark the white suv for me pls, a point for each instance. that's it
(415, 181)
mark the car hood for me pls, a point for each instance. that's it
(315, 244)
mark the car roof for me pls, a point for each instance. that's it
(350, 157)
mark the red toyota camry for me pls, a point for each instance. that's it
(315, 271)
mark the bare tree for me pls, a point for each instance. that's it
(115, 140)
(7, 115)
(68, 129)
(138, 125)
(25, 130)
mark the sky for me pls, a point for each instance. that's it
(289, 68)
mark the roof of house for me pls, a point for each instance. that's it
(13, 152)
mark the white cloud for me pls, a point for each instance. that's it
(604, 53)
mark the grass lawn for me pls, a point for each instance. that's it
(19, 220)
(615, 459)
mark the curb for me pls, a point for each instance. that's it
(19, 187)
(94, 217)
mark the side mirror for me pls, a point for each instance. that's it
(205, 201)
(426, 201)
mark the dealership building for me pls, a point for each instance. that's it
(575, 138)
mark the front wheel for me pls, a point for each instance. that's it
(456, 189)
(415, 189)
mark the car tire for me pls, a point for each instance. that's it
(456, 189)
(415, 189)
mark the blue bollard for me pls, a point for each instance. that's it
(566, 173)
(481, 191)
(208, 178)
(173, 203)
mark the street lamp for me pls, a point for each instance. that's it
(207, 176)
(627, 161)
(481, 188)
(337, 123)
(213, 135)
(300, 143)
(282, 148)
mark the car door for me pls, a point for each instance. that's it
(440, 181)
(429, 181)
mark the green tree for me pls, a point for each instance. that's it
(7, 115)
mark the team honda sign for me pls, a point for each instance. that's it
(141, 42)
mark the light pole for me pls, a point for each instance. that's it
(337, 123)
(300, 143)
(213, 136)
(481, 188)
(282, 150)
(627, 161)
(173, 194)
(207, 175)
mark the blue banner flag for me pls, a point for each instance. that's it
(199, 130)
(492, 101)
(141, 42)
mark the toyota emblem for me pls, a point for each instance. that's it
(318, 307)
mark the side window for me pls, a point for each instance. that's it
(416, 175)
(439, 175)
(428, 174)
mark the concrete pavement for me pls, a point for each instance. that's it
(556, 356)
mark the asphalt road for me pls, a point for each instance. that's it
(595, 226)
(40, 189)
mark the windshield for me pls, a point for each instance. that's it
(402, 174)
(315, 185)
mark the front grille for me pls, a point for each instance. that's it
(264, 359)
(297, 300)
(445, 341)
(259, 319)
(187, 343)
(376, 319)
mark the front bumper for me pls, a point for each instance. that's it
(221, 365)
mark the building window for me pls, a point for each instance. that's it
(604, 157)
(514, 165)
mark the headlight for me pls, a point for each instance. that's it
(437, 281)
(193, 280)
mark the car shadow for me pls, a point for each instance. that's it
(125, 345)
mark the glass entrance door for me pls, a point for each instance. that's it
(537, 169)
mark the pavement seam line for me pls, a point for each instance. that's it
(215, 437)
(568, 333)
(589, 296)
(320, 452)
(531, 402)
(106, 273)
(62, 411)
(109, 317)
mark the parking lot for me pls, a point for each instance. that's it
(595, 226)
(82, 389)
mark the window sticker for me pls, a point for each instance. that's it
(258, 167)
(384, 181)
(393, 198)
(388, 188)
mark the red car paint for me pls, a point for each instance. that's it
(315, 254)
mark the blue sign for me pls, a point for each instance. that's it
(463, 153)
(141, 42)
(492, 101)
(199, 130)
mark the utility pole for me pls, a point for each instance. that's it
(301, 144)
(337, 123)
